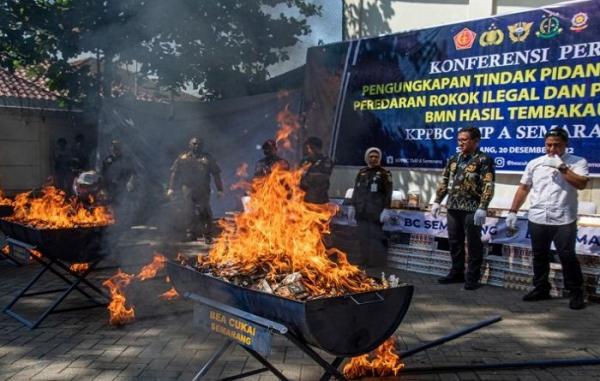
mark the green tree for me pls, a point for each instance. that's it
(214, 45)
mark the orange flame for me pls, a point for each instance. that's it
(150, 270)
(281, 234)
(169, 295)
(288, 124)
(35, 253)
(383, 362)
(54, 210)
(4, 200)
(242, 173)
(79, 267)
(120, 313)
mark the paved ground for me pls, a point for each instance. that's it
(164, 345)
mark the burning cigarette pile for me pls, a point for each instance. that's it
(277, 246)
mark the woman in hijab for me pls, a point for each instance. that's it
(372, 194)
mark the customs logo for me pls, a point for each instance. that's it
(518, 32)
(579, 22)
(549, 27)
(464, 39)
(493, 36)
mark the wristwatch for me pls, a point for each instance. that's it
(563, 168)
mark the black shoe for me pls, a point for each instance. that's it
(576, 301)
(471, 286)
(536, 295)
(451, 278)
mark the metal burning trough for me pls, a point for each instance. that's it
(342, 326)
(80, 244)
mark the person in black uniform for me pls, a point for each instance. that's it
(63, 177)
(118, 172)
(119, 177)
(190, 175)
(318, 168)
(263, 166)
(80, 155)
(372, 194)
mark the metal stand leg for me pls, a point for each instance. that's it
(449, 337)
(11, 260)
(335, 363)
(267, 364)
(541, 364)
(263, 329)
(212, 360)
(329, 369)
(73, 285)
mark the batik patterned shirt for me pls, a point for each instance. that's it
(468, 180)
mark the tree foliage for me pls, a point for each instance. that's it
(213, 45)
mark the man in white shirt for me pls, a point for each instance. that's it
(552, 181)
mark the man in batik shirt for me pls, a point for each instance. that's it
(468, 180)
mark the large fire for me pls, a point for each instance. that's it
(383, 362)
(281, 236)
(54, 210)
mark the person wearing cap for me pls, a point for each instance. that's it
(317, 171)
(263, 166)
(372, 194)
(190, 177)
(552, 181)
(468, 180)
(88, 188)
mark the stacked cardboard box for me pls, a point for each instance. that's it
(513, 269)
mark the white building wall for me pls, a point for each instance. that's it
(371, 18)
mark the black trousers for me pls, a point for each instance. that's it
(373, 247)
(460, 226)
(564, 237)
(198, 216)
(201, 224)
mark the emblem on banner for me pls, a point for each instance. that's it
(579, 22)
(549, 27)
(518, 32)
(464, 39)
(493, 36)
